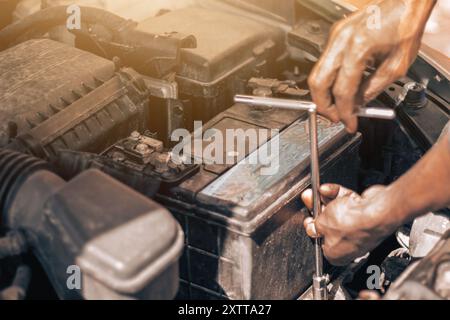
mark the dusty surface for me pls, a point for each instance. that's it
(134, 9)
(436, 39)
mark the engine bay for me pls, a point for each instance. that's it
(94, 121)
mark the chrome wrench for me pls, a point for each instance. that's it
(320, 279)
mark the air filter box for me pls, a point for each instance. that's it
(58, 97)
(244, 230)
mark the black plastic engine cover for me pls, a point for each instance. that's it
(230, 49)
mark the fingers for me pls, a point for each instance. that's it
(346, 88)
(389, 71)
(313, 230)
(324, 73)
(369, 295)
(307, 198)
(344, 192)
(321, 91)
(328, 192)
(310, 227)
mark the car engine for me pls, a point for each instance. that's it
(91, 121)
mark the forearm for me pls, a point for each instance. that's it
(420, 7)
(417, 13)
(426, 186)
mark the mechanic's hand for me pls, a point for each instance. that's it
(336, 82)
(351, 225)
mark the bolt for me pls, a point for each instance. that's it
(142, 148)
(262, 92)
(135, 136)
(314, 27)
(179, 110)
(118, 156)
(416, 95)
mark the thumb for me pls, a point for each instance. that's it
(310, 227)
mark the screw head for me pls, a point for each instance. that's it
(314, 27)
(142, 148)
(118, 156)
(135, 135)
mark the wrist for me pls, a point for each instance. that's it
(383, 208)
(413, 16)
(422, 4)
(419, 9)
(400, 209)
(424, 188)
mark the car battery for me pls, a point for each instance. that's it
(229, 50)
(244, 230)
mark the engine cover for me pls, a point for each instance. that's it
(230, 50)
(57, 97)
